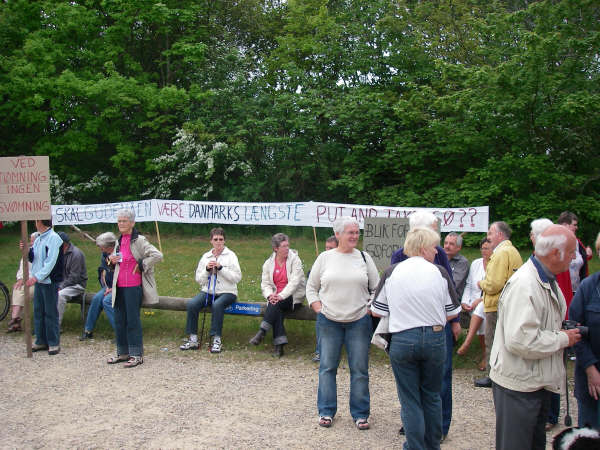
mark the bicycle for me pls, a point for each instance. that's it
(4, 301)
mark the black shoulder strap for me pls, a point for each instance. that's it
(367, 269)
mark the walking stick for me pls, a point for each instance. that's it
(568, 420)
(213, 273)
(204, 308)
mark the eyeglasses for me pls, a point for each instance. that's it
(218, 239)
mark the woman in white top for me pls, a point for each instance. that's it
(339, 287)
(472, 302)
(283, 286)
(218, 273)
(416, 299)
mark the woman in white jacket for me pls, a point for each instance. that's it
(283, 286)
(219, 265)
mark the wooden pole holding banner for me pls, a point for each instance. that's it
(316, 244)
(158, 236)
(83, 233)
(26, 289)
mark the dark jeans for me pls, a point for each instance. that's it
(417, 358)
(45, 314)
(273, 318)
(446, 393)
(588, 412)
(554, 408)
(520, 418)
(221, 302)
(128, 325)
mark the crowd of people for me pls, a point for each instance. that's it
(412, 310)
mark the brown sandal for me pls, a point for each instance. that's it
(14, 325)
(134, 361)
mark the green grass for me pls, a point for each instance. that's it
(182, 247)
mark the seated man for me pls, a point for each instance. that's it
(74, 275)
(102, 300)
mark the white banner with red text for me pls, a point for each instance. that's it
(309, 214)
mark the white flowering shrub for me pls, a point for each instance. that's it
(193, 170)
(64, 192)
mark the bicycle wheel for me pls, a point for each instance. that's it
(4, 301)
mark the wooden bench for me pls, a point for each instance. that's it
(239, 308)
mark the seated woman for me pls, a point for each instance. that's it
(283, 285)
(219, 265)
(18, 293)
(102, 300)
(472, 302)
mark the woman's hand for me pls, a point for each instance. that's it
(466, 307)
(317, 306)
(114, 258)
(212, 265)
(274, 299)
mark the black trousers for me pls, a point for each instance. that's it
(273, 318)
(520, 418)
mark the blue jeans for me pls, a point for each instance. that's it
(222, 301)
(318, 346)
(446, 393)
(355, 336)
(100, 302)
(45, 314)
(417, 357)
(128, 325)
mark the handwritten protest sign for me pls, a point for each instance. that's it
(382, 237)
(25, 195)
(25, 188)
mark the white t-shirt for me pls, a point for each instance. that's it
(472, 291)
(415, 295)
(574, 268)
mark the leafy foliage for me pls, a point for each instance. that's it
(440, 103)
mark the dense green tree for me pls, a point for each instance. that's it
(438, 103)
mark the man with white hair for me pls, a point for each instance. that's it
(526, 357)
(504, 262)
(425, 219)
(564, 283)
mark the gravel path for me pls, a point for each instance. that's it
(198, 400)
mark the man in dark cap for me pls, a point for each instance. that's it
(74, 275)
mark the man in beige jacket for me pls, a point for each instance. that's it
(526, 359)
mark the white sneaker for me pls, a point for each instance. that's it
(216, 345)
(189, 345)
